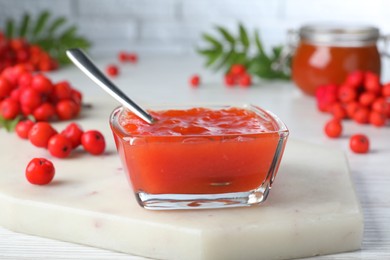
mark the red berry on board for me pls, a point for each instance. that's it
(195, 81)
(62, 90)
(338, 111)
(132, 57)
(361, 115)
(66, 109)
(355, 79)
(93, 142)
(237, 69)
(59, 146)
(40, 171)
(372, 82)
(351, 108)
(386, 90)
(367, 98)
(9, 108)
(359, 143)
(377, 119)
(5, 88)
(245, 81)
(42, 84)
(380, 105)
(45, 112)
(122, 56)
(112, 70)
(73, 132)
(229, 80)
(23, 127)
(40, 134)
(346, 94)
(30, 97)
(333, 128)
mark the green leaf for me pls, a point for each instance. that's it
(68, 34)
(40, 24)
(244, 36)
(226, 60)
(55, 25)
(9, 125)
(226, 35)
(258, 42)
(213, 58)
(24, 26)
(9, 31)
(212, 40)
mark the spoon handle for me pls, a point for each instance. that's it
(81, 60)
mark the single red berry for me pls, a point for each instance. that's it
(333, 128)
(25, 80)
(245, 81)
(59, 146)
(386, 90)
(132, 57)
(40, 134)
(66, 109)
(15, 94)
(355, 79)
(5, 88)
(73, 132)
(77, 97)
(230, 80)
(361, 115)
(45, 112)
(380, 105)
(112, 70)
(346, 94)
(377, 119)
(122, 56)
(9, 108)
(30, 97)
(367, 98)
(195, 81)
(326, 95)
(351, 108)
(338, 111)
(359, 143)
(40, 171)
(372, 82)
(93, 142)
(42, 84)
(23, 127)
(237, 69)
(62, 90)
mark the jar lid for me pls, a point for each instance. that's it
(340, 35)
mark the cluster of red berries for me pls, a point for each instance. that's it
(237, 75)
(60, 145)
(19, 51)
(113, 70)
(27, 94)
(361, 98)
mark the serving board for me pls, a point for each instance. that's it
(312, 208)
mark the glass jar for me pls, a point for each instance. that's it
(326, 54)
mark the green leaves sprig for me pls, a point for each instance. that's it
(227, 49)
(9, 125)
(50, 33)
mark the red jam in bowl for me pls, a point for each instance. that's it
(213, 150)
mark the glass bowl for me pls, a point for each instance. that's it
(194, 157)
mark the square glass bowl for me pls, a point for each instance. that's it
(179, 165)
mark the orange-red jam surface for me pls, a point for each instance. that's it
(198, 121)
(197, 151)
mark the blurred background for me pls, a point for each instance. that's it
(175, 26)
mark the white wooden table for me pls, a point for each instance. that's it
(164, 79)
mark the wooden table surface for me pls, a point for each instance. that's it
(164, 79)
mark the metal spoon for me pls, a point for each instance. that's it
(85, 64)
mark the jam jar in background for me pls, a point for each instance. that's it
(327, 53)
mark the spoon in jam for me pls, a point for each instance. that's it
(85, 64)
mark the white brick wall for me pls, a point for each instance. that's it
(175, 26)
